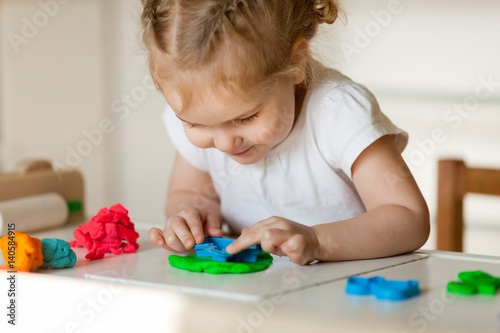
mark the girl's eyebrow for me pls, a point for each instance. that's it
(243, 115)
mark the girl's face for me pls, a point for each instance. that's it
(244, 127)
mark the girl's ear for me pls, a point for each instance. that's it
(298, 59)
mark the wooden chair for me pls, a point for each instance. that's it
(455, 179)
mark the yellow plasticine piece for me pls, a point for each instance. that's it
(25, 254)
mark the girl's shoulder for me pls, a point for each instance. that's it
(343, 118)
(331, 86)
(336, 95)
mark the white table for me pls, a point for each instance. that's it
(142, 292)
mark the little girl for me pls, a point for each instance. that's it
(293, 156)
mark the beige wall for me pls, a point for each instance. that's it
(75, 90)
(80, 84)
(140, 153)
(53, 74)
(424, 60)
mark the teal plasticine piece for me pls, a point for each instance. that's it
(57, 253)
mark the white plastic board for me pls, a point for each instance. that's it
(149, 267)
(282, 277)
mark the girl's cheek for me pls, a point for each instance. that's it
(199, 139)
(263, 135)
(272, 129)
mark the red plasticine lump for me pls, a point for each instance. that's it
(109, 231)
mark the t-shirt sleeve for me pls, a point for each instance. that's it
(350, 120)
(194, 155)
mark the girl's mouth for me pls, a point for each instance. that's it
(243, 152)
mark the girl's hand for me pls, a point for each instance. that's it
(281, 237)
(185, 229)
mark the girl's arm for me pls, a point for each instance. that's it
(190, 187)
(192, 209)
(397, 217)
(396, 221)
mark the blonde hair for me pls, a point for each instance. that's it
(239, 43)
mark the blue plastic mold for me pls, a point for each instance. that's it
(393, 290)
(215, 247)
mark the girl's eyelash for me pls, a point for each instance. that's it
(189, 125)
(246, 120)
(238, 121)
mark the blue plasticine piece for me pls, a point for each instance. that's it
(362, 286)
(57, 253)
(397, 290)
(393, 290)
(215, 247)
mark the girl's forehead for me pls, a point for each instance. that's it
(228, 73)
(193, 89)
(212, 102)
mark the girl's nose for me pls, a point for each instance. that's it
(226, 142)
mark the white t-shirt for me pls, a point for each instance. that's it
(307, 177)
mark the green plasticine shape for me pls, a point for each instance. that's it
(486, 289)
(461, 288)
(474, 282)
(193, 263)
(477, 277)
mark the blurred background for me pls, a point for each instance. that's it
(74, 89)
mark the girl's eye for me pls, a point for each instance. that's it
(246, 120)
(189, 125)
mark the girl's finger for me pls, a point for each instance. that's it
(212, 226)
(180, 238)
(172, 242)
(249, 238)
(272, 239)
(265, 222)
(294, 248)
(194, 223)
(155, 236)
